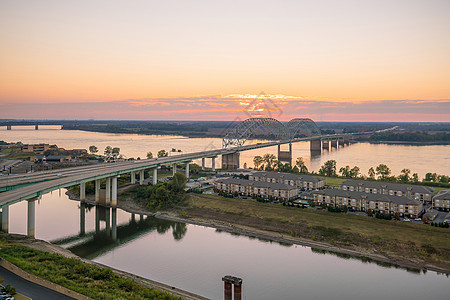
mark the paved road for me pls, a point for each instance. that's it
(29, 289)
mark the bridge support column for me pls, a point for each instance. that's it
(230, 161)
(334, 143)
(285, 156)
(108, 191)
(237, 282)
(174, 169)
(36, 127)
(82, 219)
(141, 177)
(5, 218)
(155, 176)
(237, 292)
(187, 170)
(97, 191)
(133, 178)
(227, 291)
(30, 220)
(8, 127)
(315, 145)
(213, 164)
(326, 145)
(203, 164)
(114, 224)
(114, 192)
(82, 191)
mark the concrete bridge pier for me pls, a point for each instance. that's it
(36, 127)
(237, 282)
(334, 144)
(155, 176)
(5, 218)
(133, 177)
(285, 156)
(326, 145)
(141, 177)
(114, 224)
(203, 164)
(97, 191)
(82, 191)
(186, 170)
(8, 127)
(230, 161)
(213, 163)
(174, 169)
(31, 218)
(108, 191)
(82, 219)
(315, 145)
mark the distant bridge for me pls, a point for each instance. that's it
(31, 186)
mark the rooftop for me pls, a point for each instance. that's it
(388, 185)
(288, 176)
(259, 184)
(371, 197)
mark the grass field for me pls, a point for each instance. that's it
(361, 231)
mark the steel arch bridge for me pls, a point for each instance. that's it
(271, 127)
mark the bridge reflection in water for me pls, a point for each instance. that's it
(108, 235)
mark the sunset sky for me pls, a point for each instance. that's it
(329, 60)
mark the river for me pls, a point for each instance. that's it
(195, 258)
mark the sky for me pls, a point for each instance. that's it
(342, 60)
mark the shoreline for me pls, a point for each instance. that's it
(133, 207)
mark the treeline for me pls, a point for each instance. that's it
(411, 137)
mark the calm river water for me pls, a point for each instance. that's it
(195, 258)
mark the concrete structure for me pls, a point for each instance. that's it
(31, 218)
(441, 200)
(258, 188)
(306, 182)
(361, 201)
(229, 161)
(36, 148)
(417, 192)
(315, 145)
(326, 145)
(5, 218)
(285, 156)
(237, 282)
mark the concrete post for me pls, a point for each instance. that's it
(133, 178)
(187, 170)
(315, 145)
(174, 169)
(82, 191)
(155, 176)
(5, 218)
(114, 192)
(213, 164)
(227, 291)
(31, 214)
(203, 164)
(114, 224)
(133, 218)
(237, 292)
(141, 177)
(97, 191)
(82, 219)
(326, 145)
(108, 191)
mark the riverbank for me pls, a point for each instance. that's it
(401, 244)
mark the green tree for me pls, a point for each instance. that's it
(178, 182)
(93, 149)
(345, 171)
(115, 152)
(371, 173)
(415, 177)
(431, 177)
(328, 168)
(149, 155)
(269, 159)
(108, 151)
(163, 153)
(245, 165)
(258, 161)
(383, 171)
(300, 164)
(404, 175)
(354, 172)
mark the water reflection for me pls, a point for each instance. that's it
(108, 235)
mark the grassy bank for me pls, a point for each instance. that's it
(89, 280)
(414, 242)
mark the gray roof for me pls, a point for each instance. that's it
(288, 176)
(370, 197)
(259, 184)
(443, 195)
(389, 186)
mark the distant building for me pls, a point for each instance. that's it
(361, 201)
(441, 200)
(416, 192)
(57, 158)
(260, 188)
(36, 148)
(300, 181)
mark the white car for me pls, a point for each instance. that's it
(406, 220)
(418, 219)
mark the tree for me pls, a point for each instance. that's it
(404, 176)
(115, 152)
(93, 149)
(371, 173)
(269, 160)
(301, 165)
(431, 177)
(328, 168)
(108, 151)
(257, 161)
(415, 177)
(178, 182)
(149, 155)
(354, 172)
(383, 171)
(162, 153)
(345, 171)
(245, 165)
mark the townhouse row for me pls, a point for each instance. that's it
(441, 200)
(258, 188)
(300, 181)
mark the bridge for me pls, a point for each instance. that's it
(31, 186)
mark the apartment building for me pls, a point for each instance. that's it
(416, 192)
(260, 188)
(36, 148)
(300, 181)
(441, 200)
(362, 201)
